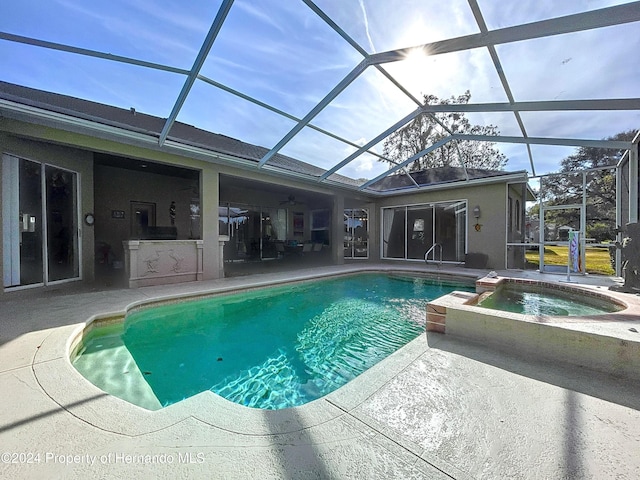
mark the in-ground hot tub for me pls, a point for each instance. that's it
(541, 298)
(582, 325)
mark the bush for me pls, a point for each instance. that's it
(601, 231)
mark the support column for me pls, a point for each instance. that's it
(619, 183)
(633, 181)
(337, 230)
(209, 188)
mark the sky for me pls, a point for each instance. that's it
(282, 54)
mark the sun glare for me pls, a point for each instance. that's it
(416, 56)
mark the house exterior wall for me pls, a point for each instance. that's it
(42, 143)
(490, 197)
(209, 186)
(79, 161)
(114, 188)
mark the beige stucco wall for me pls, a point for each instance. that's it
(79, 161)
(491, 198)
(114, 188)
(209, 186)
(42, 143)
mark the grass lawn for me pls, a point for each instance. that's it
(597, 258)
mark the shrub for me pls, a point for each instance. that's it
(601, 231)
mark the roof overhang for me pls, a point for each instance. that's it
(94, 127)
(126, 134)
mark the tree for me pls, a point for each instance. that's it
(424, 131)
(600, 187)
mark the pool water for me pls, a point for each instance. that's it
(269, 349)
(535, 300)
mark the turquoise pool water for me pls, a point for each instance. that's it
(269, 349)
(536, 300)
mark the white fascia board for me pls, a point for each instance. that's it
(49, 118)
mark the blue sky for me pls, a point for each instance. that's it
(282, 53)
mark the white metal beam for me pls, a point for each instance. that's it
(604, 17)
(344, 83)
(567, 142)
(89, 53)
(371, 143)
(318, 11)
(613, 144)
(413, 158)
(197, 65)
(619, 104)
(477, 13)
(633, 180)
(281, 113)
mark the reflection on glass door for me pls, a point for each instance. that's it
(274, 231)
(40, 231)
(356, 233)
(22, 222)
(450, 229)
(419, 233)
(255, 232)
(62, 223)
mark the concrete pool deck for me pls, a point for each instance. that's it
(441, 407)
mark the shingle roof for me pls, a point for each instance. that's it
(186, 134)
(434, 176)
(142, 123)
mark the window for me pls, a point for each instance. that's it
(320, 226)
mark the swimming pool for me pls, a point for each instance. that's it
(270, 349)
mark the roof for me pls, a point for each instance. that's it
(140, 122)
(147, 124)
(439, 176)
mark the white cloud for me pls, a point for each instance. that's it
(365, 21)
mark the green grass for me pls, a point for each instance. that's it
(597, 258)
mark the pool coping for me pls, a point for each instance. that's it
(492, 401)
(68, 388)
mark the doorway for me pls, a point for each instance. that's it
(558, 223)
(40, 223)
(143, 216)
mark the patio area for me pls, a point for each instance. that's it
(441, 407)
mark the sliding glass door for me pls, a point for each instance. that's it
(408, 232)
(61, 202)
(254, 231)
(40, 223)
(356, 233)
